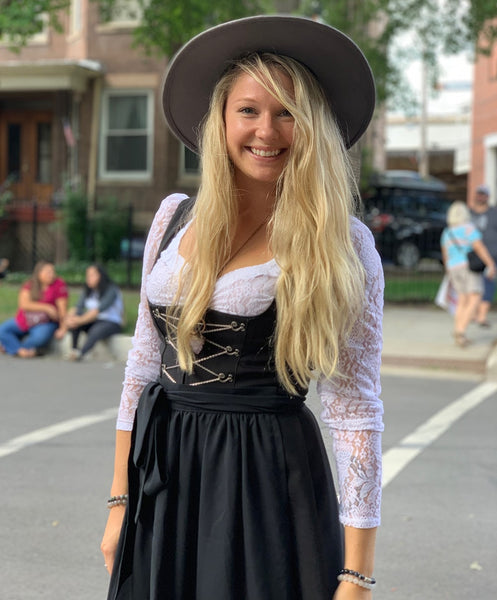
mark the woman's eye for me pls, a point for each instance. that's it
(247, 110)
(285, 113)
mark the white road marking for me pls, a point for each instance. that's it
(397, 458)
(394, 460)
(47, 433)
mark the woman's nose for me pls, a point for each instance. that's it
(266, 128)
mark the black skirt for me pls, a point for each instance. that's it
(231, 497)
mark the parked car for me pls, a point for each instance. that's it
(406, 215)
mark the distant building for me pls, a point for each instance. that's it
(447, 124)
(484, 125)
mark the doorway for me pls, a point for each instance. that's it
(26, 154)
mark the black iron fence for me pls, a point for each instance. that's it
(30, 232)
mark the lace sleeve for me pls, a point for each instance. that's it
(351, 405)
(143, 362)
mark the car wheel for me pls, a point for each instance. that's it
(407, 255)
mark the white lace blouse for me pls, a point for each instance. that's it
(352, 408)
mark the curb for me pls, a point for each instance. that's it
(476, 367)
(115, 348)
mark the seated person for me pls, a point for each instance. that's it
(4, 265)
(99, 311)
(42, 305)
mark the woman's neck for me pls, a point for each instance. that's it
(256, 202)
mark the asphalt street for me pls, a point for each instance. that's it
(438, 538)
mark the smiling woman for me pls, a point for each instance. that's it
(221, 487)
(259, 131)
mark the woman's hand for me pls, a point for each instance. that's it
(51, 311)
(490, 271)
(351, 591)
(72, 321)
(111, 535)
(60, 333)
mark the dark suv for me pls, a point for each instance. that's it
(406, 215)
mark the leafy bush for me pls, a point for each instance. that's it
(93, 237)
(76, 224)
(109, 228)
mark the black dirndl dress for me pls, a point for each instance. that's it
(231, 495)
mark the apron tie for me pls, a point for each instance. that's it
(150, 442)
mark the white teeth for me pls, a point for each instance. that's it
(258, 152)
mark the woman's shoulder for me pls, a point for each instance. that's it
(364, 244)
(159, 225)
(361, 235)
(168, 207)
(60, 285)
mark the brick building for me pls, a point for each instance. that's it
(484, 125)
(84, 106)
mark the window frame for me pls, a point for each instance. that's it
(186, 178)
(128, 176)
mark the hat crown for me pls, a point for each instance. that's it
(334, 59)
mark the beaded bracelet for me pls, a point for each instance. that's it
(121, 500)
(357, 578)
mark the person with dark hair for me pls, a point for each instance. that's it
(222, 488)
(484, 217)
(98, 313)
(4, 265)
(42, 307)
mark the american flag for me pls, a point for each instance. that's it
(68, 134)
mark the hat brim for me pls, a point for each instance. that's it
(334, 59)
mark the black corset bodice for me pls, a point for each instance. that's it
(230, 352)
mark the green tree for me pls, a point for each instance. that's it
(443, 25)
(21, 19)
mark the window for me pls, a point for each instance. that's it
(44, 154)
(189, 167)
(123, 12)
(126, 143)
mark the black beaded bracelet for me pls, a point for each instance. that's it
(356, 578)
(121, 500)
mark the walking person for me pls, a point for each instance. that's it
(262, 283)
(458, 238)
(98, 312)
(484, 217)
(42, 307)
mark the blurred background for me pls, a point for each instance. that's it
(86, 157)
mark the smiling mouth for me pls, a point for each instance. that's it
(265, 153)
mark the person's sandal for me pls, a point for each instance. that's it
(461, 340)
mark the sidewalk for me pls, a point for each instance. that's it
(421, 337)
(414, 337)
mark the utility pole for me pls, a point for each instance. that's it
(423, 163)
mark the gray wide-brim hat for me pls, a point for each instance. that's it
(334, 59)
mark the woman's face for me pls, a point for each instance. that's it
(46, 275)
(92, 277)
(259, 132)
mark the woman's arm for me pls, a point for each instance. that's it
(25, 303)
(481, 250)
(353, 410)
(119, 486)
(142, 367)
(359, 557)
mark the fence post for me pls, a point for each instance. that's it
(130, 240)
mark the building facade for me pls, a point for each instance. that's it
(484, 125)
(83, 107)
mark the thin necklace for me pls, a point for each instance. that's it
(232, 256)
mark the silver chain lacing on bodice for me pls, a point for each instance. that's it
(202, 338)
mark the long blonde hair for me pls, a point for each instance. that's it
(321, 286)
